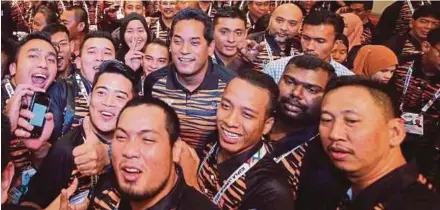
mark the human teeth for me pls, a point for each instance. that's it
(106, 113)
(40, 76)
(231, 135)
(185, 59)
(131, 170)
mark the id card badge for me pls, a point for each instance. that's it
(80, 197)
(413, 123)
(93, 27)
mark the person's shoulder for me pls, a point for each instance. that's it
(57, 87)
(416, 196)
(224, 73)
(194, 200)
(156, 75)
(66, 143)
(340, 69)
(16, 207)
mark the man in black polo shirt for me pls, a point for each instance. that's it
(280, 38)
(192, 85)
(237, 172)
(294, 139)
(144, 173)
(361, 131)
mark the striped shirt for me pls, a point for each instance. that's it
(403, 188)
(276, 68)
(158, 28)
(197, 110)
(367, 35)
(264, 186)
(272, 51)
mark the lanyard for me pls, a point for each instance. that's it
(410, 6)
(62, 5)
(242, 170)
(210, 9)
(158, 28)
(278, 159)
(268, 49)
(408, 78)
(9, 88)
(96, 13)
(431, 101)
(82, 88)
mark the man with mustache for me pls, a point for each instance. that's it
(318, 38)
(113, 87)
(279, 38)
(361, 131)
(294, 140)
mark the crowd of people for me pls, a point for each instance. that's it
(261, 104)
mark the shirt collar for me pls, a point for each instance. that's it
(170, 201)
(209, 81)
(293, 140)
(227, 167)
(276, 50)
(391, 183)
(162, 24)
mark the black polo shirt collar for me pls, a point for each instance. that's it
(227, 167)
(386, 186)
(218, 59)
(170, 201)
(293, 140)
(162, 24)
(210, 82)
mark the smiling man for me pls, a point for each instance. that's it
(70, 96)
(113, 87)
(192, 84)
(160, 26)
(361, 131)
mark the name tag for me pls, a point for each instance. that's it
(413, 123)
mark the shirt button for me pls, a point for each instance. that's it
(206, 190)
(212, 177)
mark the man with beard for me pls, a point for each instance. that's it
(279, 38)
(160, 26)
(61, 41)
(361, 132)
(318, 38)
(33, 69)
(70, 96)
(113, 87)
(144, 172)
(293, 139)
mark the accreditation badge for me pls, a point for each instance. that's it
(413, 123)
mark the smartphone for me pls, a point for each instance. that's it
(39, 106)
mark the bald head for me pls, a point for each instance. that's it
(285, 22)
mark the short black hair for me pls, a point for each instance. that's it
(344, 40)
(325, 17)
(117, 67)
(56, 28)
(264, 81)
(198, 15)
(161, 43)
(34, 35)
(172, 124)
(368, 5)
(81, 15)
(427, 11)
(311, 62)
(386, 98)
(98, 34)
(6, 139)
(229, 12)
(434, 36)
(50, 15)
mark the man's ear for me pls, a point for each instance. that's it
(397, 132)
(13, 68)
(81, 26)
(7, 176)
(72, 46)
(426, 46)
(268, 124)
(211, 48)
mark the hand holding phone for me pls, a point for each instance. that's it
(35, 124)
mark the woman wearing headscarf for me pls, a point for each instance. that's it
(353, 29)
(135, 35)
(375, 61)
(340, 51)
